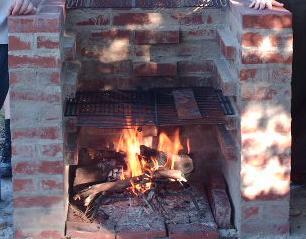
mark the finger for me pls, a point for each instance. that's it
(252, 4)
(269, 5)
(30, 10)
(9, 12)
(277, 4)
(24, 7)
(262, 5)
(257, 5)
(17, 6)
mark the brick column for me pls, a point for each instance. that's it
(36, 115)
(264, 102)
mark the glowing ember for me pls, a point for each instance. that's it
(130, 142)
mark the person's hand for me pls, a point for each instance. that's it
(262, 4)
(22, 7)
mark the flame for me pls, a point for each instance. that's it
(171, 146)
(130, 142)
(188, 146)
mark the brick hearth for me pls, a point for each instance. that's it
(245, 53)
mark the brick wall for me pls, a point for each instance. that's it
(264, 70)
(131, 48)
(36, 122)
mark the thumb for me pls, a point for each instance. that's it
(277, 4)
(9, 11)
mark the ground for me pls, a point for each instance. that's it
(6, 210)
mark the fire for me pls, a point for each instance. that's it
(130, 142)
(170, 145)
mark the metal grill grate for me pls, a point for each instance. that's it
(123, 109)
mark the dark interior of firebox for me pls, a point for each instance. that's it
(147, 161)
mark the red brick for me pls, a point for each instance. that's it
(255, 39)
(19, 43)
(33, 61)
(197, 34)
(221, 207)
(267, 196)
(37, 133)
(216, 181)
(251, 212)
(28, 168)
(253, 57)
(122, 67)
(36, 201)
(99, 20)
(260, 93)
(155, 69)
(247, 74)
(157, 3)
(228, 51)
(50, 184)
(35, 96)
(23, 150)
(264, 228)
(198, 231)
(51, 150)
(124, 19)
(189, 18)
(112, 34)
(54, 77)
(157, 37)
(51, 167)
(17, 77)
(23, 185)
(190, 67)
(21, 24)
(88, 231)
(252, 39)
(46, 42)
(267, 21)
(209, 20)
(49, 22)
(19, 234)
(141, 234)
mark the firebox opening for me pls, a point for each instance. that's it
(148, 181)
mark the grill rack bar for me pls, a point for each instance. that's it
(125, 109)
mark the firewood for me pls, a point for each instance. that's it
(170, 174)
(92, 192)
(148, 152)
(182, 162)
(88, 175)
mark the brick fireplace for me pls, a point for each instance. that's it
(89, 46)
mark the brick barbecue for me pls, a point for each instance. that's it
(81, 71)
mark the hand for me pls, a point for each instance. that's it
(22, 7)
(262, 4)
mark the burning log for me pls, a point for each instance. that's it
(148, 152)
(170, 174)
(181, 162)
(92, 192)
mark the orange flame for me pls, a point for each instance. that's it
(171, 146)
(188, 146)
(130, 141)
